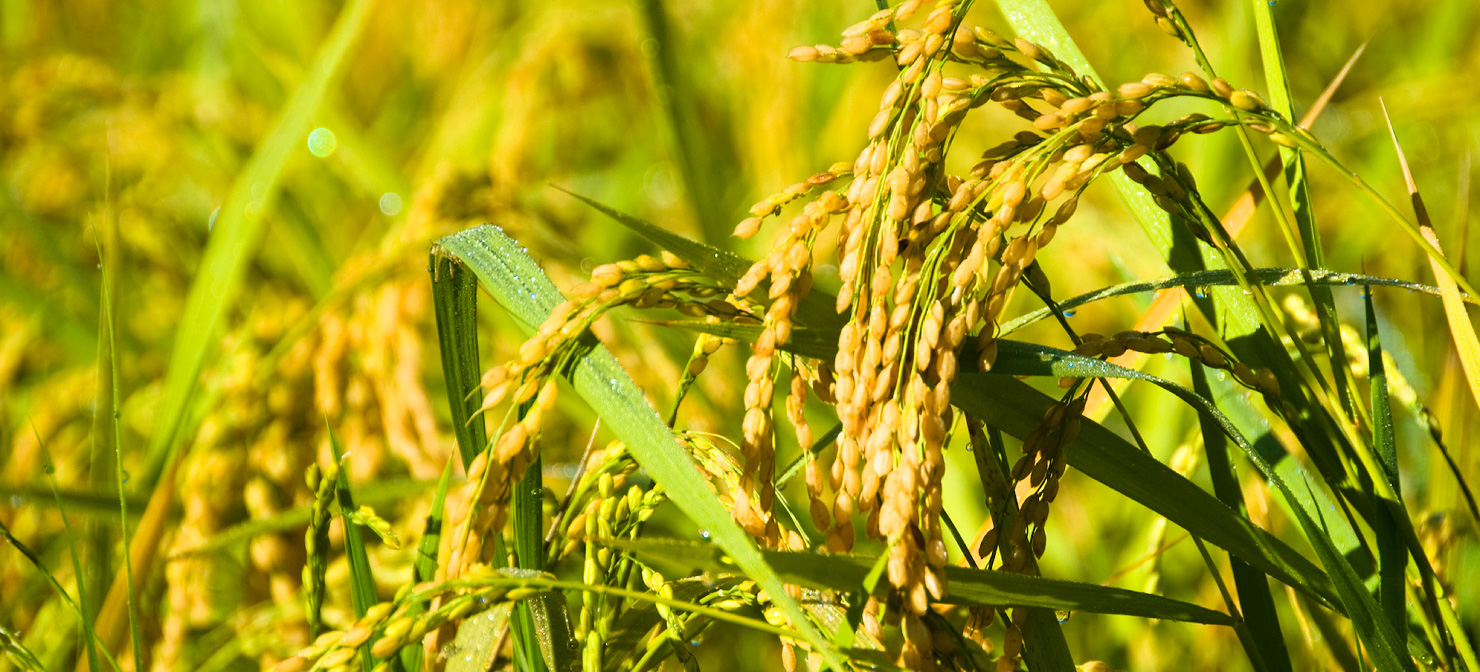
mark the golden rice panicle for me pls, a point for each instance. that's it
(771, 205)
(788, 269)
(220, 466)
(1185, 344)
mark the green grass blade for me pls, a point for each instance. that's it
(724, 266)
(1461, 641)
(78, 503)
(1385, 645)
(16, 650)
(1298, 185)
(424, 567)
(1468, 348)
(455, 301)
(107, 434)
(85, 615)
(521, 287)
(237, 233)
(455, 295)
(1466, 344)
(690, 149)
(1255, 601)
(529, 536)
(361, 576)
(965, 586)
(1392, 557)
(103, 457)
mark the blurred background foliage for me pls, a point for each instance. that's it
(123, 127)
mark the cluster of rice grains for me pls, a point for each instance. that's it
(928, 258)
(927, 261)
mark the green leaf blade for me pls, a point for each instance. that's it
(519, 284)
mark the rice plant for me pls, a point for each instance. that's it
(990, 452)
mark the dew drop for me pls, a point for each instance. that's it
(704, 533)
(125, 476)
(49, 469)
(1068, 313)
(1222, 376)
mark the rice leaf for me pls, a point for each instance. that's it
(143, 549)
(424, 567)
(477, 640)
(78, 503)
(1256, 604)
(455, 302)
(1384, 643)
(724, 266)
(529, 533)
(687, 144)
(1461, 640)
(1105, 455)
(16, 650)
(107, 435)
(1460, 327)
(965, 586)
(81, 605)
(1298, 186)
(1392, 557)
(61, 592)
(361, 576)
(522, 288)
(1014, 407)
(237, 233)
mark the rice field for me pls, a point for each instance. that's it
(769, 360)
